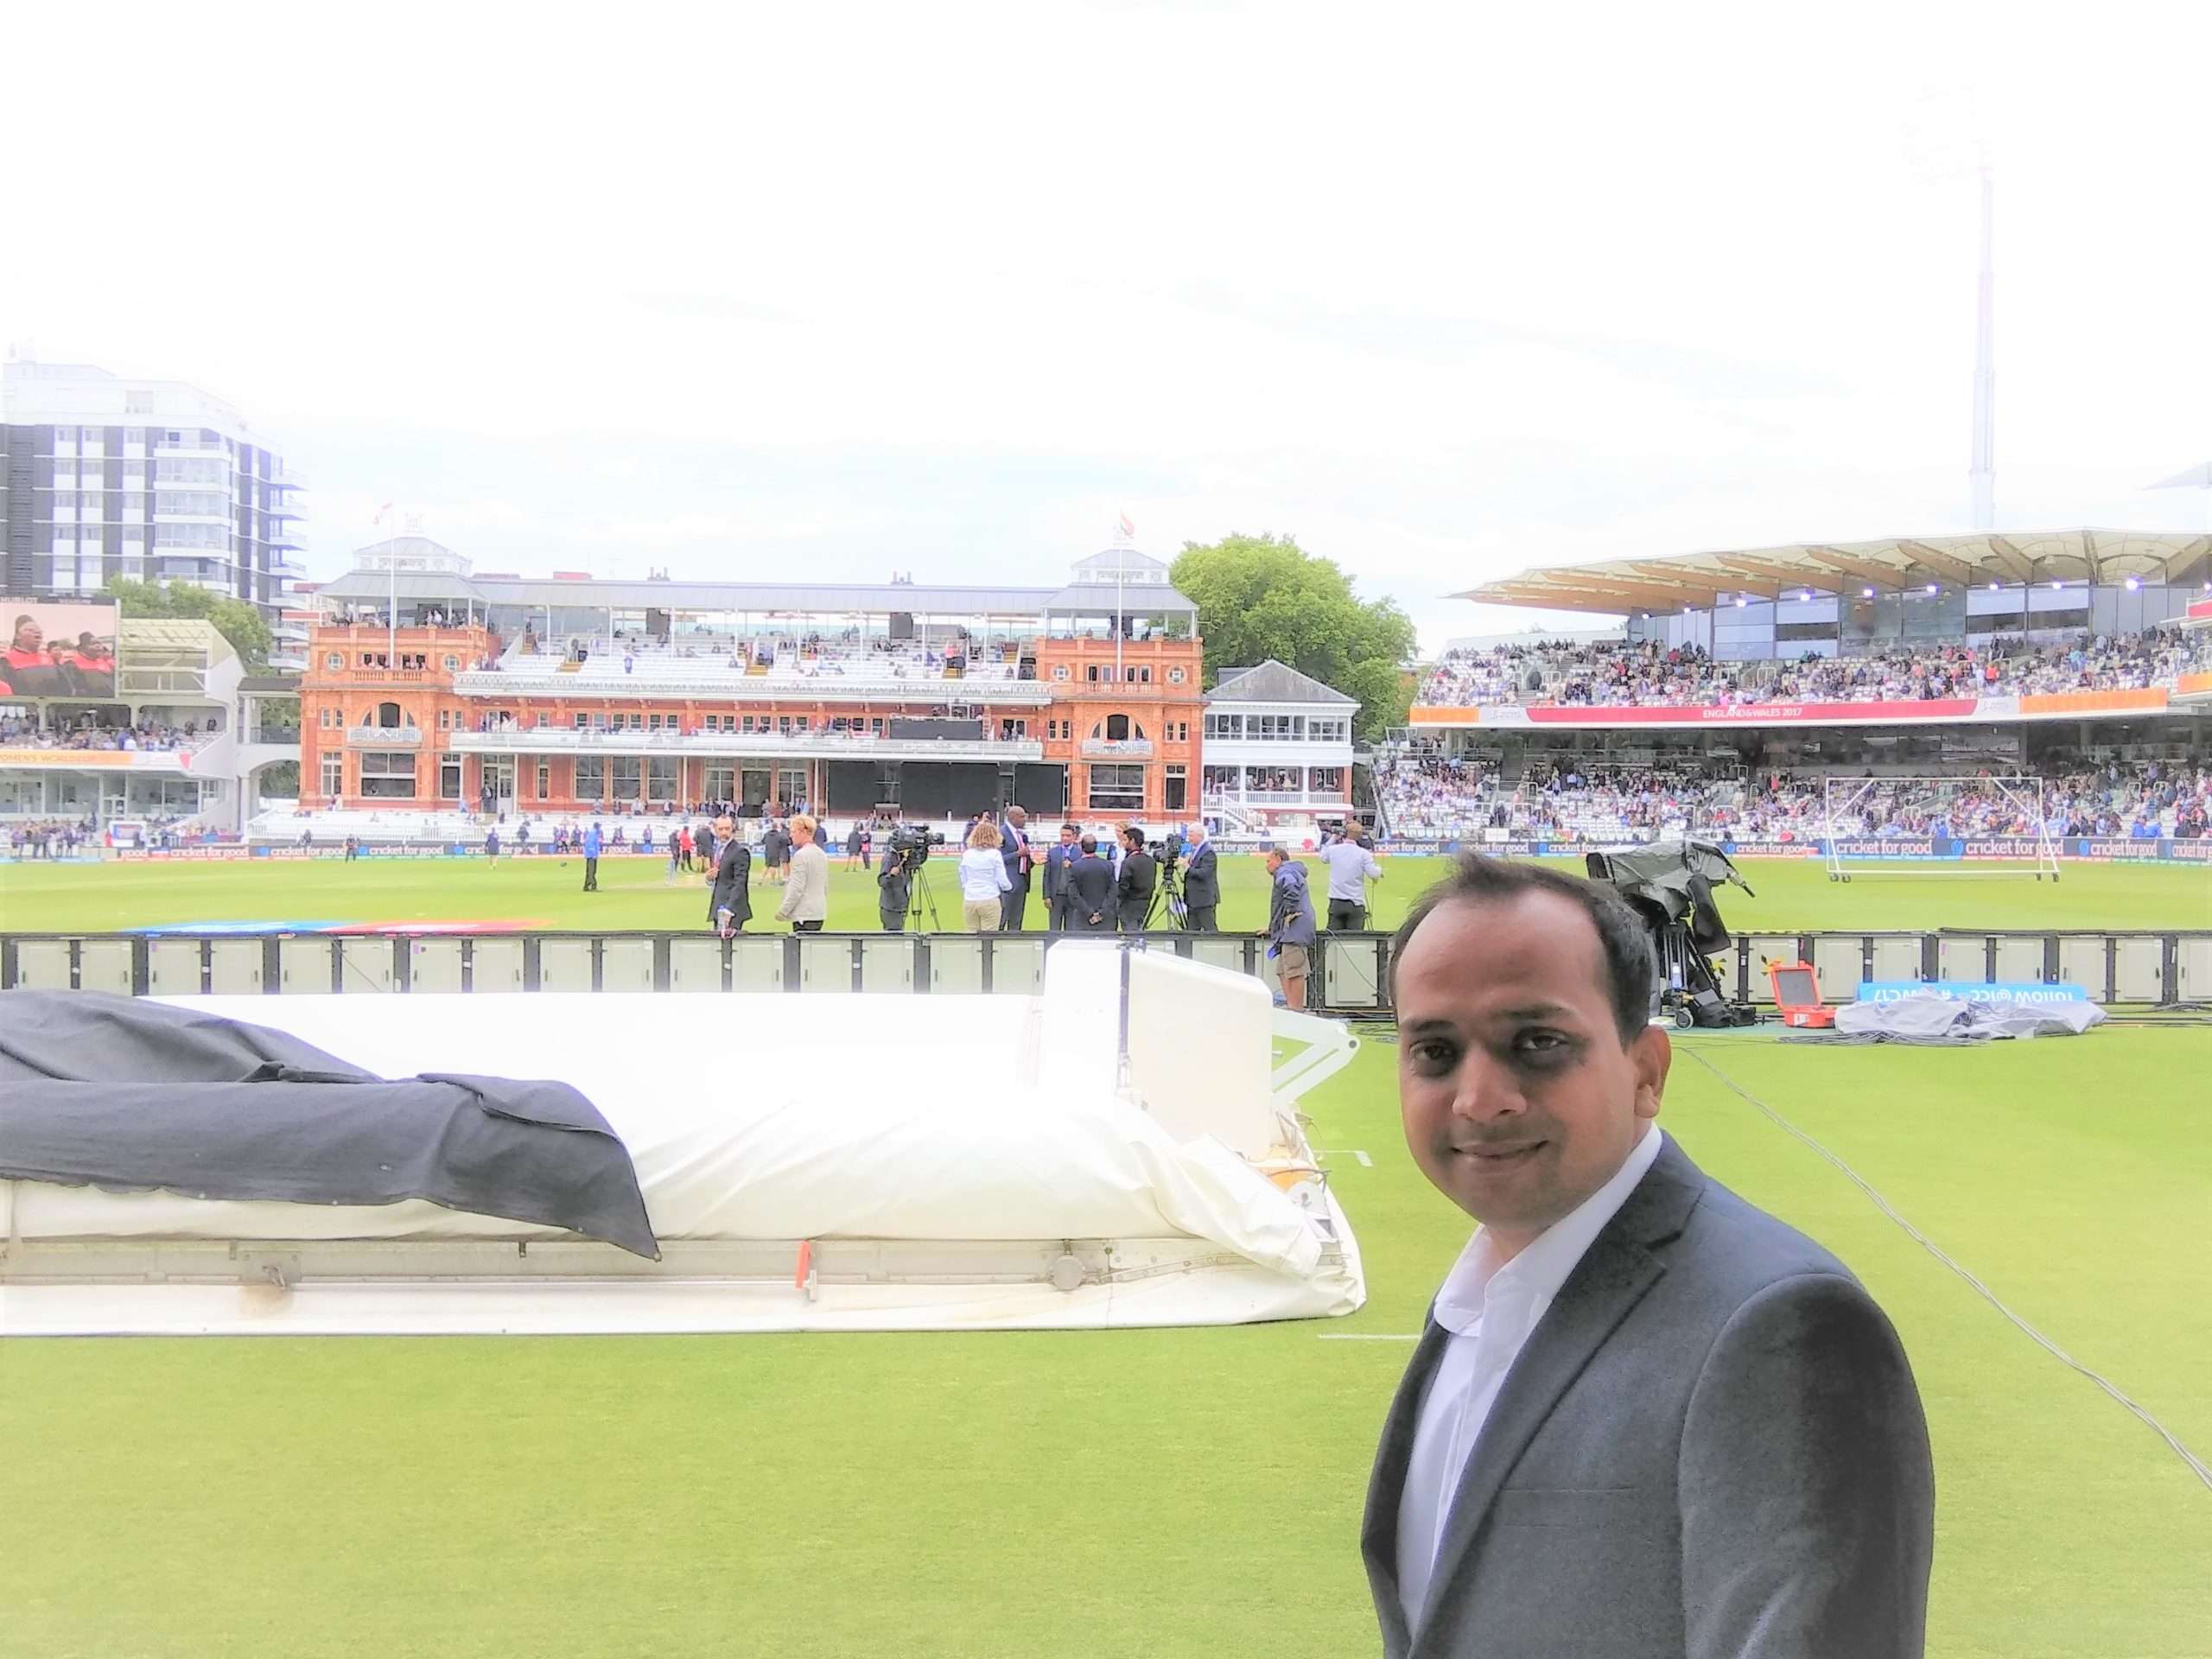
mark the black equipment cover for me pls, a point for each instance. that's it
(119, 1092)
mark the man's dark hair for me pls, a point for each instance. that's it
(1130, 833)
(1623, 940)
(1089, 843)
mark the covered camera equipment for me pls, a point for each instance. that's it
(1669, 884)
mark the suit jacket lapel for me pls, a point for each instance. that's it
(1378, 1532)
(1613, 1275)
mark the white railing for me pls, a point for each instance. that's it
(1116, 748)
(1271, 797)
(554, 740)
(384, 737)
(736, 684)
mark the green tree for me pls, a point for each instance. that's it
(1263, 596)
(235, 620)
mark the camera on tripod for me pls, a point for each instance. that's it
(912, 842)
(1165, 853)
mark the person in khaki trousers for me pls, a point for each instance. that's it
(983, 880)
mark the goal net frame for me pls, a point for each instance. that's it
(1839, 797)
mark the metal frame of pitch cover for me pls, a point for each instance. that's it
(2025, 792)
(2139, 967)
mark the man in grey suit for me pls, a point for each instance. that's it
(1645, 1418)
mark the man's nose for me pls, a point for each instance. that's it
(1486, 1090)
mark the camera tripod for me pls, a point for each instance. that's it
(918, 895)
(1168, 891)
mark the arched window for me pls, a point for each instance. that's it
(1117, 728)
(387, 714)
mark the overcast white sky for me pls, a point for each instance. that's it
(1444, 291)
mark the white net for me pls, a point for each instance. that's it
(1979, 826)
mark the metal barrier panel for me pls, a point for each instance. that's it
(1351, 973)
(825, 962)
(626, 965)
(756, 963)
(43, 965)
(303, 966)
(887, 964)
(2085, 962)
(1217, 951)
(2138, 969)
(102, 965)
(1960, 957)
(564, 964)
(173, 968)
(365, 964)
(1018, 963)
(234, 967)
(1771, 947)
(2019, 960)
(957, 963)
(1896, 956)
(434, 965)
(695, 964)
(2193, 970)
(1840, 962)
(495, 965)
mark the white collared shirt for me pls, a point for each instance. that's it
(1491, 1309)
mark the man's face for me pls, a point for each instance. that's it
(1067, 835)
(1016, 817)
(1518, 1098)
(30, 636)
(724, 828)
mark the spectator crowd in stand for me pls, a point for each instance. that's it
(1433, 796)
(1613, 674)
(19, 733)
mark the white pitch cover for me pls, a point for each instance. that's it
(954, 1129)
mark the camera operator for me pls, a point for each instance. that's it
(1133, 887)
(729, 906)
(1091, 879)
(894, 887)
(1352, 867)
(1059, 883)
(1290, 925)
(1201, 882)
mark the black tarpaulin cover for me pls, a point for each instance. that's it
(119, 1092)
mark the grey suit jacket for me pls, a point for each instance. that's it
(1712, 1445)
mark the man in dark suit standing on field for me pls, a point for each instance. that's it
(1014, 848)
(1059, 890)
(729, 906)
(1091, 879)
(1645, 1418)
(1134, 882)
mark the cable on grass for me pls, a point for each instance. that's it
(2195, 1464)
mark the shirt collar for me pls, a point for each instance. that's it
(1538, 1272)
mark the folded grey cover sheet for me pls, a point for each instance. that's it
(118, 1092)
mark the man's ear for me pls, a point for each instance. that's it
(1651, 1055)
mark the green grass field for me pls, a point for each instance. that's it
(1144, 1493)
(1148, 1493)
(1792, 894)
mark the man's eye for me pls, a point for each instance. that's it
(1434, 1056)
(1539, 1043)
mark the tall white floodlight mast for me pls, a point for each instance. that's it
(1985, 367)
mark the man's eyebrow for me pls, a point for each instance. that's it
(1425, 1027)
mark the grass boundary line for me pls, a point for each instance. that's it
(2195, 1464)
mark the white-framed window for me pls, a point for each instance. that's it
(1116, 789)
(333, 662)
(1174, 677)
(333, 776)
(545, 781)
(452, 661)
(1060, 670)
